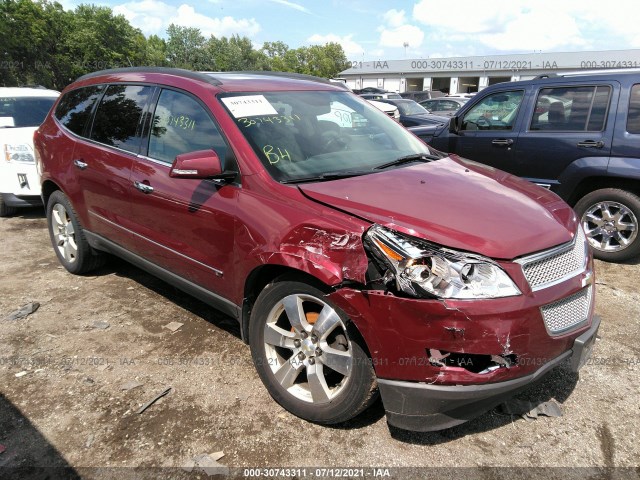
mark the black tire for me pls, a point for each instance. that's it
(5, 210)
(68, 238)
(604, 215)
(346, 395)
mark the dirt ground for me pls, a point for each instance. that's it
(96, 336)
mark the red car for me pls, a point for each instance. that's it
(356, 259)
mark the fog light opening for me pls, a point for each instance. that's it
(474, 363)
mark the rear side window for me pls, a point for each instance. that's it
(182, 125)
(633, 119)
(572, 109)
(75, 107)
(118, 116)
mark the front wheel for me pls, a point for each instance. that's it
(610, 217)
(305, 356)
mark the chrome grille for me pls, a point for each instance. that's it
(555, 265)
(569, 312)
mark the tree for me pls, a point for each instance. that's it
(185, 48)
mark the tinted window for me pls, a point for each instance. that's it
(75, 107)
(24, 111)
(633, 119)
(181, 125)
(495, 112)
(118, 115)
(575, 109)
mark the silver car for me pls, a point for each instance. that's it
(445, 107)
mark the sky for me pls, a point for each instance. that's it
(377, 30)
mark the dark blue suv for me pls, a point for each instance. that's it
(578, 135)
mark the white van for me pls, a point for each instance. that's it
(22, 110)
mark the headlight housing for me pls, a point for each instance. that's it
(423, 269)
(18, 152)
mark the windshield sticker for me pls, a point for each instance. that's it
(249, 106)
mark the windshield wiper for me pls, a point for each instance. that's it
(327, 176)
(416, 157)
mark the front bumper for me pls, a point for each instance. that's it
(11, 200)
(427, 407)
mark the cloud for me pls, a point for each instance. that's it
(293, 5)
(154, 17)
(394, 18)
(522, 25)
(349, 46)
(397, 37)
(395, 31)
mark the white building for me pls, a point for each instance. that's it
(471, 74)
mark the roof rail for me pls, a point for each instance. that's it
(180, 72)
(269, 73)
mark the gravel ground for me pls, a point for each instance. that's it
(98, 349)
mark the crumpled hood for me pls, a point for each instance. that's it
(456, 203)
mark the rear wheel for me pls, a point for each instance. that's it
(67, 237)
(305, 356)
(610, 218)
(6, 210)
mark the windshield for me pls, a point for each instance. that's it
(24, 111)
(303, 135)
(411, 108)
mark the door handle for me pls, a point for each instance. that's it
(143, 187)
(502, 142)
(80, 164)
(591, 144)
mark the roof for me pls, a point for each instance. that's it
(226, 81)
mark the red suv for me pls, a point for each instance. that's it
(355, 259)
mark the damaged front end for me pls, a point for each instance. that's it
(420, 269)
(452, 334)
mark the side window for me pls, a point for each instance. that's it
(569, 109)
(182, 125)
(430, 104)
(495, 112)
(118, 116)
(633, 118)
(449, 106)
(75, 107)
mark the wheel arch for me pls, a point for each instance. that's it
(262, 275)
(592, 184)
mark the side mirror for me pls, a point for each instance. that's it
(201, 164)
(454, 126)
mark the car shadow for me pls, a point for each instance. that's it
(30, 213)
(121, 268)
(557, 385)
(26, 453)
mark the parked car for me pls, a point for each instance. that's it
(21, 111)
(355, 259)
(379, 96)
(445, 107)
(412, 113)
(387, 108)
(578, 135)
(422, 95)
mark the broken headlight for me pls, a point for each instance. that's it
(423, 269)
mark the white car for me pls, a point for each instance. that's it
(387, 108)
(22, 110)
